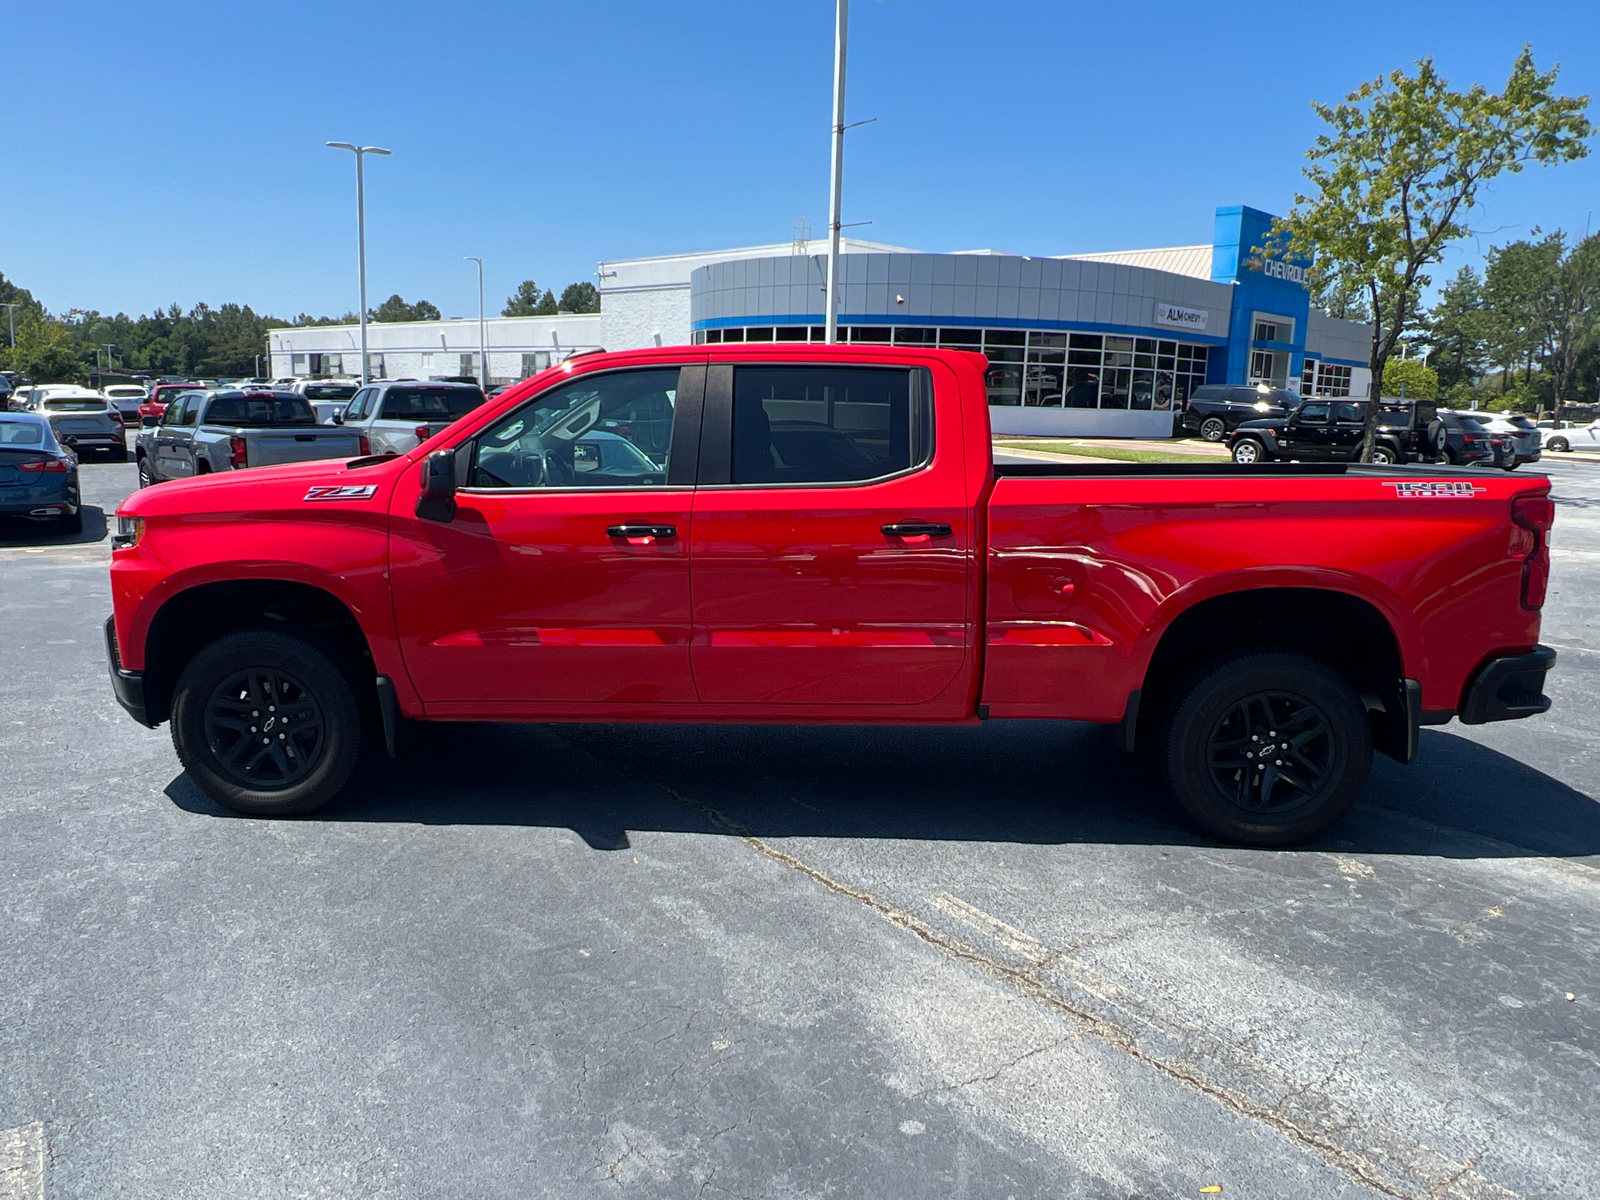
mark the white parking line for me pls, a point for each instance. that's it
(22, 1162)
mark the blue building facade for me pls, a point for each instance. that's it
(1099, 345)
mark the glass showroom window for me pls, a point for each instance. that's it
(1332, 381)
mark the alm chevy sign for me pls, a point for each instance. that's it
(1175, 316)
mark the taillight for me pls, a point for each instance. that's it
(365, 447)
(422, 433)
(46, 466)
(239, 450)
(1533, 516)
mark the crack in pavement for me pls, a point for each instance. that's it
(1370, 1154)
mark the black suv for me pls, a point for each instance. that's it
(1215, 410)
(1323, 430)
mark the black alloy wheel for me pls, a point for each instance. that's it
(1560, 445)
(1270, 752)
(267, 722)
(1268, 749)
(265, 728)
(1212, 429)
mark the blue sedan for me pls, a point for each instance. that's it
(38, 475)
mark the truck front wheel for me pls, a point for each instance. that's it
(1268, 750)
(266, 723)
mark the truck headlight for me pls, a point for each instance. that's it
(129, 531)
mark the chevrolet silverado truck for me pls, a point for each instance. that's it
(827, 539)
(202, 433)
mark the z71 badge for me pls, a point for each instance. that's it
(1435, 490)
(360, 491)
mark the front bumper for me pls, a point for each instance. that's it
(127, 686)
(1509, 688)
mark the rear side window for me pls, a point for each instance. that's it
(829, 424)
(1349, 413)
(430, 404)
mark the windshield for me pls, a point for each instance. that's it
(127, 392)
(86, 404)
(431, 404)
(260, 410)
(21, 433)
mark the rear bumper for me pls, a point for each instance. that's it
(1509, 688)
(127, 686)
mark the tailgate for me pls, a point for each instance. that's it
(268, 447)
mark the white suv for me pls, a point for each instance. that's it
(398, 415)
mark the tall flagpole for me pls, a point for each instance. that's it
(841, 32)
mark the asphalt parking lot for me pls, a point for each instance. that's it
(576, 961)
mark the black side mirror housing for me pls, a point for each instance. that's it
(438, 499)
(149, 422)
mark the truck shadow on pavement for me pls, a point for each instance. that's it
(20, 531)
(1023, 782)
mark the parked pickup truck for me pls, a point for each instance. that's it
(201, 433)
(856, 556)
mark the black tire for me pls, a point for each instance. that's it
(68, 524)
(1325, 739)
(1248, 451)
(147, 476)
(1213, 429)
(229, 695)
(1383, 456)
(1559, 444)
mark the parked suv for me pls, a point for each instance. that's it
(1318, 431)
(1215, 410)
(1521, 437)
(397, 415)
(1412, 427)
(1466, 441)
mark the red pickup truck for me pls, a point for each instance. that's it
(820, 534)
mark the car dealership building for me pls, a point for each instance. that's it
(1102, 344)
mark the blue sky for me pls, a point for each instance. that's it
(173, 152)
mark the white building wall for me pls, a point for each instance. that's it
(630, 319)
(423, 348)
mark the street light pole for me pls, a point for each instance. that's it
(11, 317)
(841, 30)
(483, 335)
(361, 233)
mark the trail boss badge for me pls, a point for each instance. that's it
(358, 491)
(1435, 490)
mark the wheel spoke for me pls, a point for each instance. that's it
(264, 727)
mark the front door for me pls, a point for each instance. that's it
(1310, 436)
(832, 550)
(563, 578)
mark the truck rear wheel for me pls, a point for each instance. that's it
(1268, 750)
(266, 723)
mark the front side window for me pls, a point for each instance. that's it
(602, 431)
(829, 424)
(1313, 414)
(357, 408)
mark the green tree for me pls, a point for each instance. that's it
(1410, 377)
(1517, 280)
(396, 309)
(1571, 313)
(1399, 170)
(580, 298)
(45, 352)
(527, 300)
(1455, 328)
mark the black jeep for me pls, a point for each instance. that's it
(1322, 430)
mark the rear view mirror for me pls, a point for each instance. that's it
(438, 499)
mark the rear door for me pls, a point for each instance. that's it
(561, 584)
(1347, 429)
(832, 549)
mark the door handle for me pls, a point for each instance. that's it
(917, 533)
(642, 535)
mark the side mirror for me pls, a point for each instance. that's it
(149, 422)
(338, 416)
(438, 499)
